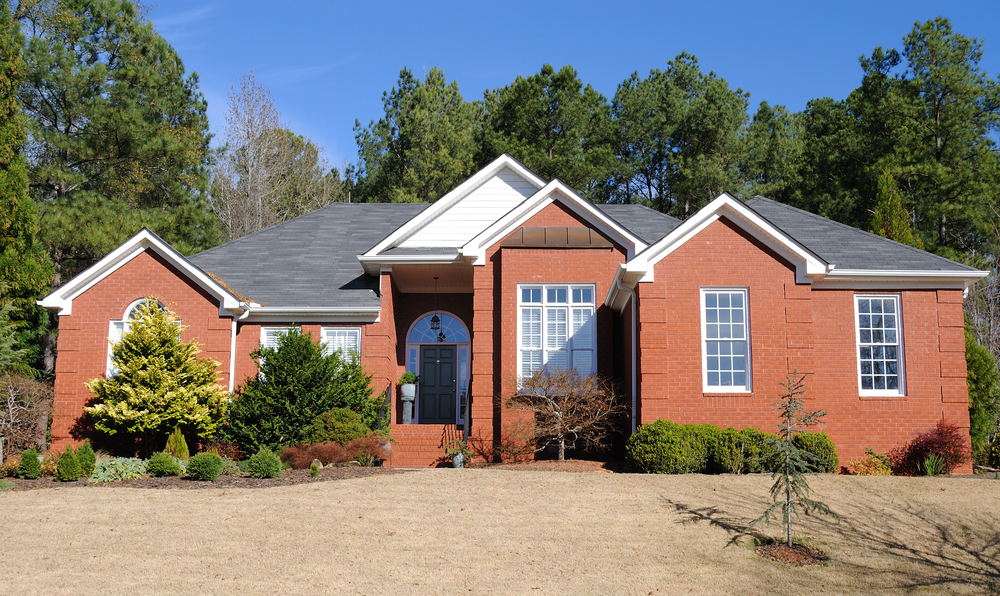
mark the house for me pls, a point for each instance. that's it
(699, 321)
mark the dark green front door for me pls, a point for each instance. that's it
(437, 385)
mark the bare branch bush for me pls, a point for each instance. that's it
(25, 405)
(571, 410)
(266, 173)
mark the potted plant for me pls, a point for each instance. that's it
(408, 385)
(459, 453)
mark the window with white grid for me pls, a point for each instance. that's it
(556, 328)
(345, 339)
(880, 345)
(725, 340)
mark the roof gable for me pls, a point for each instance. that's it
(61, 300)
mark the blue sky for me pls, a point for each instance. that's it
(327, 63)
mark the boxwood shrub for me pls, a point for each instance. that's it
(265, 464)
(204, 466)
(664, 447)
(163, 464)
(820, 445)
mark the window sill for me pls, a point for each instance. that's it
(881, 396)
(727, 394)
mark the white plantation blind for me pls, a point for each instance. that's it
(583, 340)
(556, 328)
(269, 336)
(345, 339)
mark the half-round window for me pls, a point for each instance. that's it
(133, 312)
(449, 330)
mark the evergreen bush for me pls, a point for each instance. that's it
(662, 447)
(177, 445)
(339, 425)
(87, 458)
(820, 445)
(759, 449)
(204, 466)
(68, 468)
(29, 468)
(264, 464)
(729, 455)
(162, 464)
(984, 396)
(118, 468)
(298, 381)
(704, 440)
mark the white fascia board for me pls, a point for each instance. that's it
(306, 314)
(475, 249)
(61, 300)
(888, 279)
(808, 266)
(455, 195)
(374, 264)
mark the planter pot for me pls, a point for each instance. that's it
(408, 390)
(458, 461)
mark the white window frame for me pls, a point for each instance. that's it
(118, 327)
(276, 331)
(571, 345)
(328, 339)
(900, 391)
(748, 386)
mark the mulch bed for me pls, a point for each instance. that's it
(287, 478)
(552, 465)
(797, 555)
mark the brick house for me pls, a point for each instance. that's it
(699, 321)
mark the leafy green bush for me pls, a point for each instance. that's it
(87, 458)
(298, 381)
(984, 396)
(230, 467)
(29, 468)
(68, 468)
(176, 445)
(663, 447)
(729, 456)
(339, 425)
(760, 453)
(163, 464)
(205, 466)
(704, 439)
(264, 464)
(118, 468)
(820, 445)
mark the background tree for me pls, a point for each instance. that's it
(678, 137)
(570, 410)
(555, 125)
(891, 220)
(265, 174)
(161, 384)
(772, 153)
(297, 383)
(423, 147)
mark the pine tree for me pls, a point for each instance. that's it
(161, 383)
(891, 220)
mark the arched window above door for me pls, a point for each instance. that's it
(450, 330)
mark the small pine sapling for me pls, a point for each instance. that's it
(314, 468)
(87, 458)
(68, 468)
(790, 491)
(177, 445)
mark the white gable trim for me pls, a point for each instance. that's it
(61, 300)
(475, 249)
(454, 196)
(808, 266)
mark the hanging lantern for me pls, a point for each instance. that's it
(435, 322)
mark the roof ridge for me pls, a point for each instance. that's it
(828, 221)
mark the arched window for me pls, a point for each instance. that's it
(118, 327)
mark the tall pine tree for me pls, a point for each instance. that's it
(891, 220)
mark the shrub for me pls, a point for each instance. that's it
(25, 401)
(944, 440)
(29, 468)
(87, 458)
(759, 449)
(872, 464)
(298, 381)
(9, 466)
(163, 464)
(339, 425)
(230, 467)
(662, 447)
(314, 468)
(161, 383)
(368, 451)
(301, 456)
(176, 445)
(50, 462)
(204, 466)
(118, 468)
(729, 455)
(265, 464)
(225, 449)
(984, 396)
(993, 458)
(704, 440)
(68, 468)
(820, 445)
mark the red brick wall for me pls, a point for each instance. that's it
(83, 336)
(793, 326)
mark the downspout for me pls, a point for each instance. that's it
(232, 347)
(631, 294)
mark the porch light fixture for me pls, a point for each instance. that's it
(436, 320)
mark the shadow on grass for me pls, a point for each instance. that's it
(909, 545)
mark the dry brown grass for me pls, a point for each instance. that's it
(488, 531)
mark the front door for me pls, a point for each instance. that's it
(437, 385)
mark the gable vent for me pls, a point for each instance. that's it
(556, 237)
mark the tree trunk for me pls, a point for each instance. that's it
(562, 449)
(943, 230)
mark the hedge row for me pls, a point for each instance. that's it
(665, 447)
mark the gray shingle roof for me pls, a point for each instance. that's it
(647, 224)
(847, 247)
(311, 260)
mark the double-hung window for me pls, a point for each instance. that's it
(347, 340)
(556, 328)
(880, 345)
(725, 340)
(269, 336)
